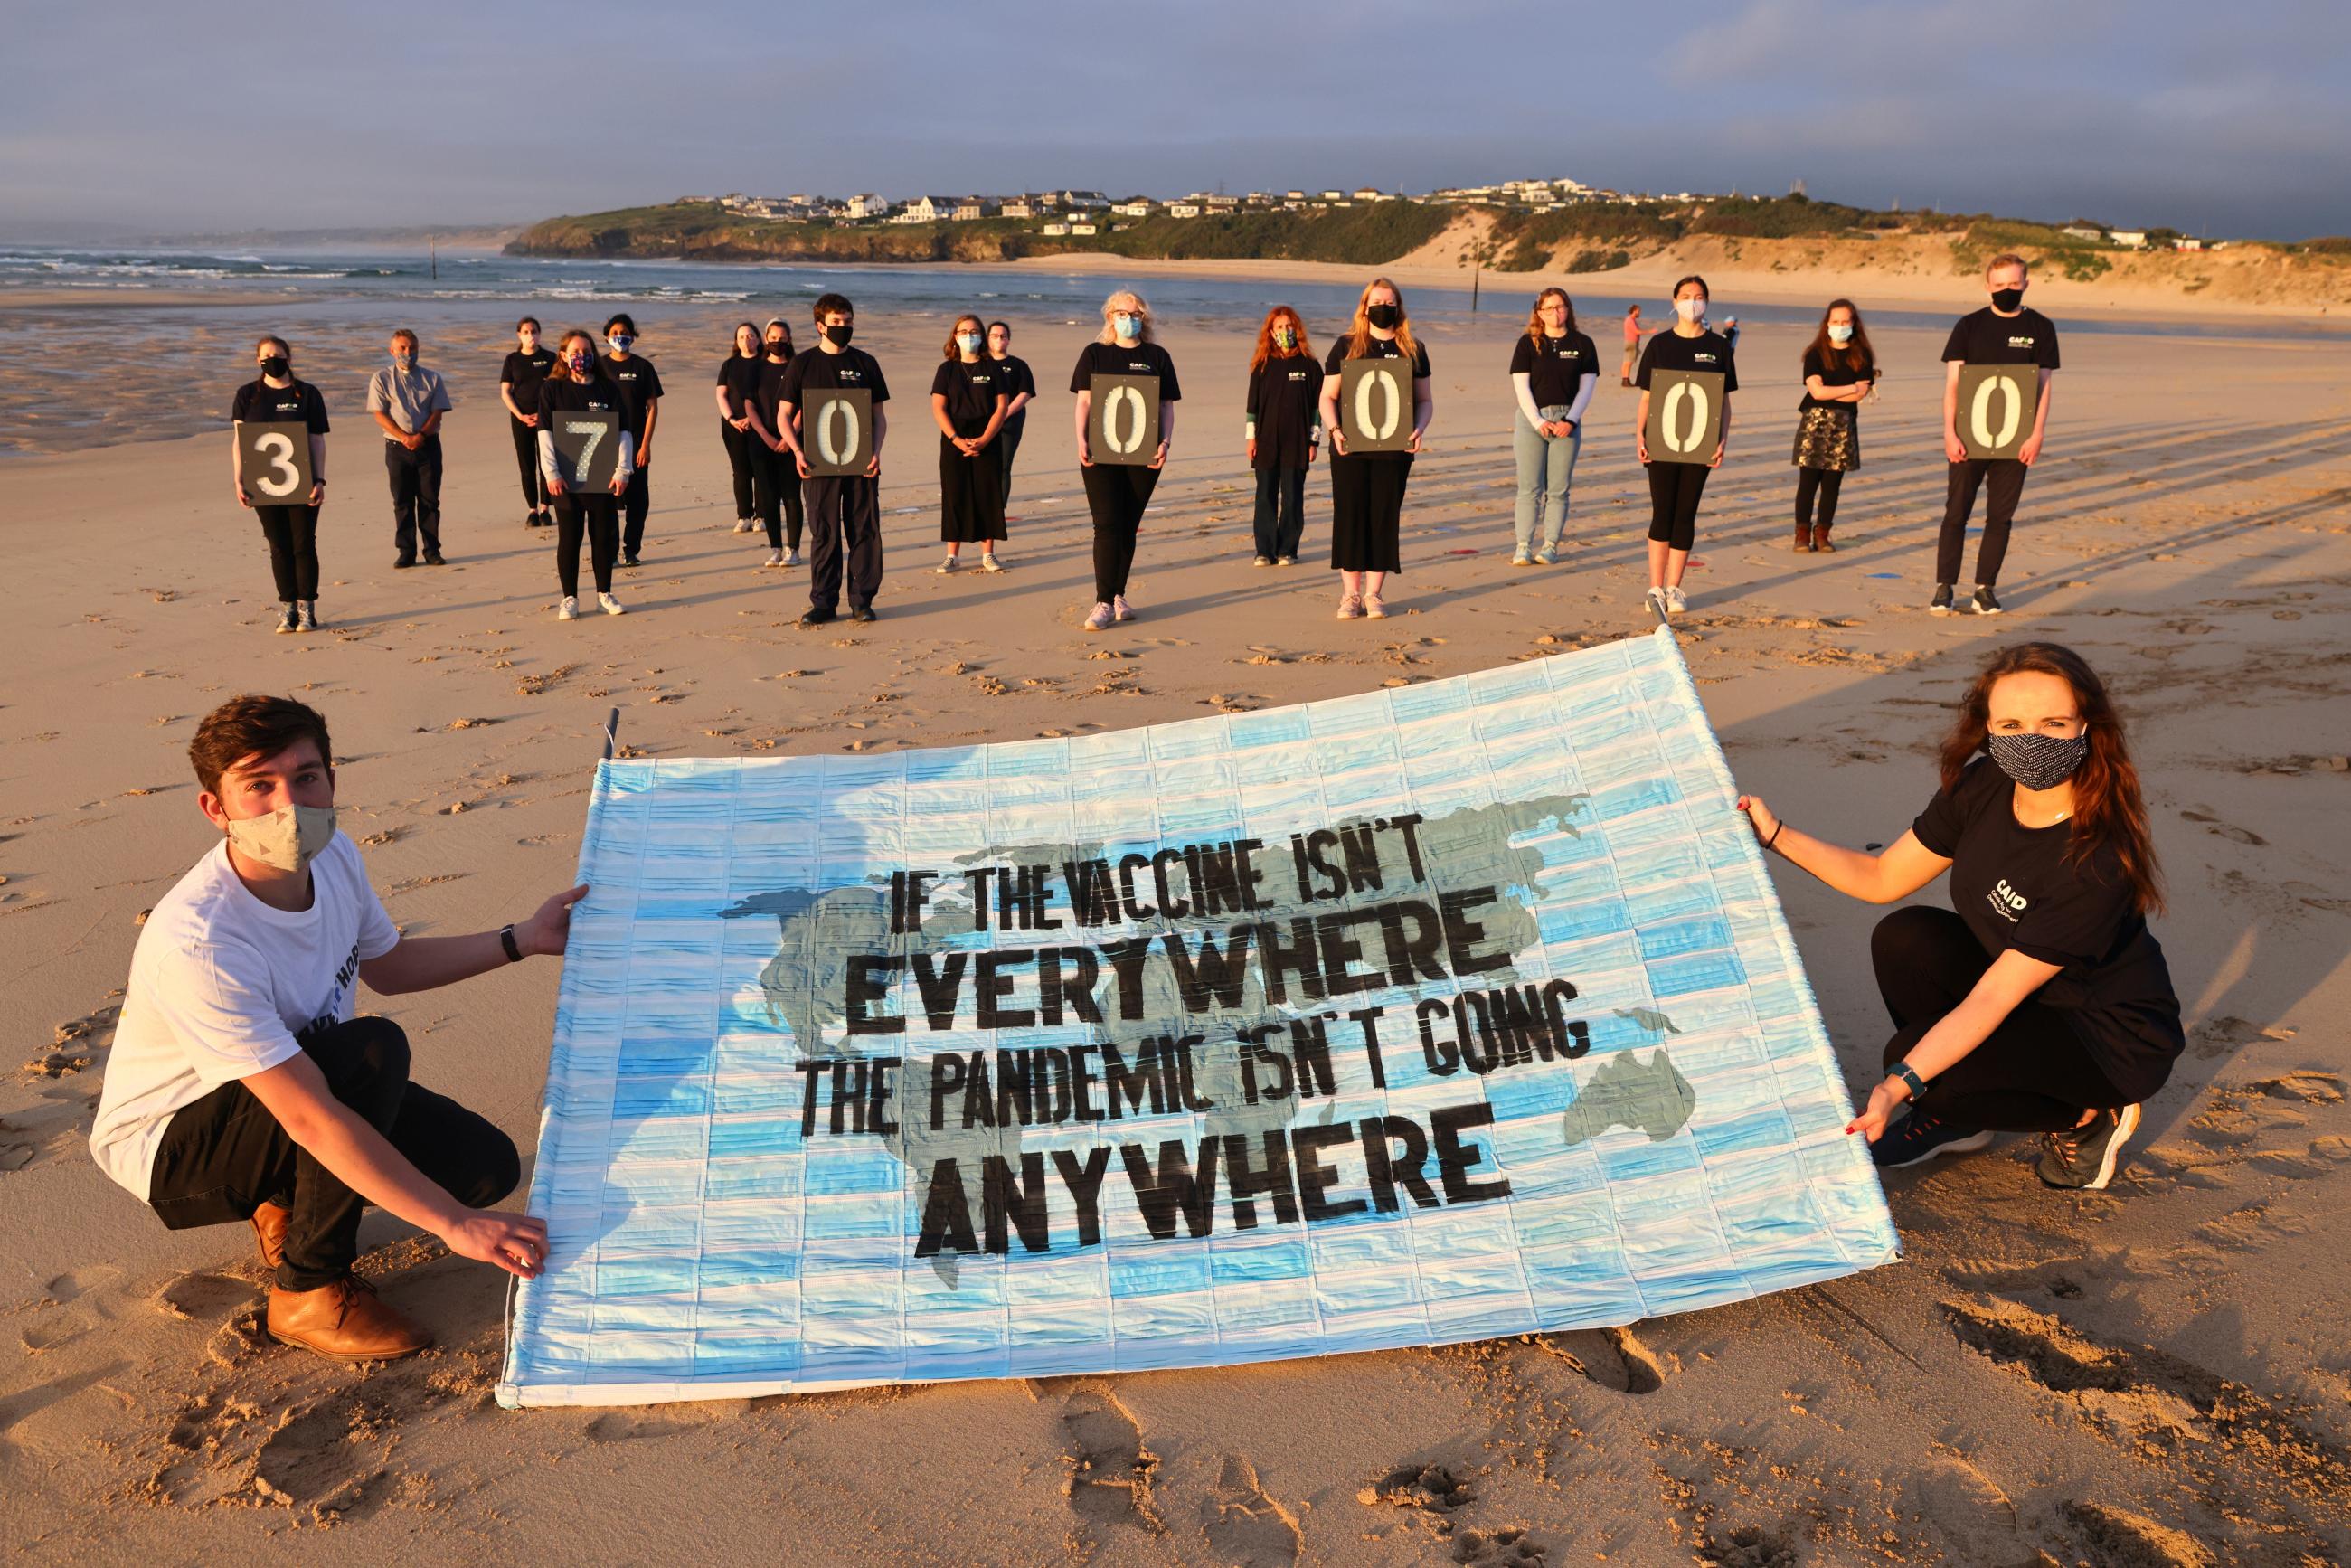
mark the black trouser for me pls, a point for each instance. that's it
(597, 515)
(293, 536)
(2032, 1074)
(776, 489)
(1117, 493)
(636, 501)
(1827, 482)
(1007, 442)
(225, 1156)
(525, 444)
(1674, 492)
(743, 450)
(1280, 511)
(844, 520)
(415, 495)
(2006, 475)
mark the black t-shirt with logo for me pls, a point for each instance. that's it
(1118, 359)
(638, 383)
(522, 374)
(1670, 351)
(297, 403)
(851, 368)
(971, 391)
(1835, 372)
(1282, 393)
(2014, 888)
(741, 377)
(1018, 379)
(1554, 367)
(594, 395)
(1985, 338)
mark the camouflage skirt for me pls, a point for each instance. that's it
(1827, 438)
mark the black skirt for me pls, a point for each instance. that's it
(971, 494)
(1368, 510)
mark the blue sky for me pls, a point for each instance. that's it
(164, 115)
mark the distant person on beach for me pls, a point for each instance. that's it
(1840, 370)
(1367, 488)
(1554, 369)
(775, 479)
(2003, 334)
(241, 1088)
(640, 386)
(1118, 493)
(1019, 391)
(968, 403)
(738, 376)
(1283, 428)
(525, 367)
(408, 400)
(1631, 342)
(844, 514)
(2043, 1004)
(292, 531)
(1674, 488)
(578, 385)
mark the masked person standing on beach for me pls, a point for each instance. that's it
(577, 385)
(775, 480)
(408, 400)
(292, 531)
(738, 374)
(525, 366)
(1554, 369)
(1840, 370)
(240, 1087)
(2003, 334)
(844, 512)
(1118, 493)
(2043, 1004)
(640, 386)
(1282, 423)
(1020, 391)
(1675, 487)
(1367, 488)
(967, 402)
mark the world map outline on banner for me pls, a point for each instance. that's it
(1455, 1010)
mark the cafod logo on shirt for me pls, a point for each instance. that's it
(2016, 340)
(2006, 900)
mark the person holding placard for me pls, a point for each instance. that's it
(1840, 370)
(280, 474)
(1697, 361)
(640, 387)
(1284, 430)
(1119, 478)
(775, 483)
(519, 377)
(1369, 468)
(1554, 369)
(583, 507)
(738, 375)
(2003, 333)
(967, 402)
(1020, 391)
(407, 401)
(2043, 1004)
(844, 510)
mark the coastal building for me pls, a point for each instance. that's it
(1080, 228)
(1370, 194)
(1016, 207)
(1182, 209)
(968, 208)
(926, 210)
(2187, 241)
(1055, 228)
(1139, 207)
(1083, 201)
(2082, 231)
(2129, 239)
(1293, 195)
(1333, 195)
(867, 205)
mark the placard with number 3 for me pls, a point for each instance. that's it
(273, 462)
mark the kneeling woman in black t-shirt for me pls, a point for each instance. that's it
(2043, 1004)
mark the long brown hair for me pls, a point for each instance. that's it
(2107, 810)
(1534, 313)
(1359, 333)
(1857, 355)
(561, 370)
(953, 349)
(1266, 348)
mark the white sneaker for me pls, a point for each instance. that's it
(1375, 609)
(306, 618)
(989, 562)
(1544, 557)
(1262, 560)
(791, 557)
(568, 610)
(1121, 610)
(1520, 558)
(1286, 561)
(611, 605)
(950, 564)
(1676, 602)
(775, 558)
(1656, 599)
(1351, 605)
(743, 525)
(1100, 619)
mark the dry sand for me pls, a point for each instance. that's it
(2156, 1375)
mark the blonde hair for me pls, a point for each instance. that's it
(1128, 300)
(1359, 334)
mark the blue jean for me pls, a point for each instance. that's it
(1546, 469)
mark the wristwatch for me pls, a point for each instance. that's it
(507, 940)
(1901, 1070)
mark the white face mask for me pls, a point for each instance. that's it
(1690, 309)
(287, 839)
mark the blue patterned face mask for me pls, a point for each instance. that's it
(2038, 761)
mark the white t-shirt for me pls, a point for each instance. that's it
(221, 983)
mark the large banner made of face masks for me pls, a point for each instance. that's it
(1460, 1010)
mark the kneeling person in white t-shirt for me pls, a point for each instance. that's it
(240, 1087)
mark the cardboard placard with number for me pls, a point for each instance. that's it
(587, 448)
(837, 431)
(1376, 403)
(273, 462)
(1997, 403)
(1123, 419)
(1685, 416)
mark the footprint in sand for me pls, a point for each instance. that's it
(2117, 1535)
(1244, 1526)
(202, 1297)
(1110, 1468)
(1613, 1358)
(1432, 1492)
(2228, 831)
(324, 1458)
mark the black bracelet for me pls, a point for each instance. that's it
(1776, 832)
(1908, 1075)
(506, 940)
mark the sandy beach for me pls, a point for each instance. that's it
(2157, 1375)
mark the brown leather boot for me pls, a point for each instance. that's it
(270, 1232)
(344, 1321)
(1821, 538)
(1804, 538)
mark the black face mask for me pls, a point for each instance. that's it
(838, 336)
(2006, 301)
(778, 348)
(1382, 316)
(276, 365)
